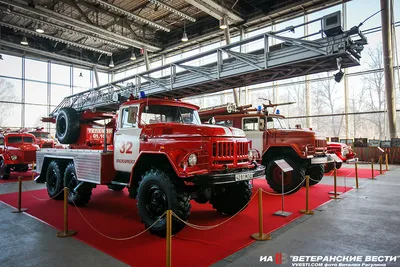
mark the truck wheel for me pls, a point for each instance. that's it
(157, 193)
(339, 165)
(4, 171)
(24, 168)
(316, 173)
(291, 180)
(54, 179)
(67, 125)
(116, 187)
(84, 192)
(230, 199)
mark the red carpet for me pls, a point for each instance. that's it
(351, 173)
(115, 214)
(14, 177)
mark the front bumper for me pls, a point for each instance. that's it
(328, 158)
(232, 177)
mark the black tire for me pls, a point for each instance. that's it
(116, 187)
(4, 170)
(55, 179)
(156, 194)
(292, 179)
(339, 165)
(316, 173)
(67, 125)
(24, 168)
(328, 167)
(231, 198)
(84, 192)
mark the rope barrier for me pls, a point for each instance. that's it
(114, 238)
(209, 227)
(286, 193)
(43, 199)
(8, 185)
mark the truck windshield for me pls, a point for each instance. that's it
(276, 123)
(14, 139)
(161, 114)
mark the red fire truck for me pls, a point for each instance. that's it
(305, 150)
(43, 138)
(17, 151)
(343, 151)
(159, 150)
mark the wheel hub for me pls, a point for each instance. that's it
(157, 202)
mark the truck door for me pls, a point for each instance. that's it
(126, 140)
(254, 130)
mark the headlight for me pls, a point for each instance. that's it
(13, 157)
(250, 155)
(192, 160)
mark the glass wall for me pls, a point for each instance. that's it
(30, 89)
(367, 116)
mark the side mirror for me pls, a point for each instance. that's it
(211, 120)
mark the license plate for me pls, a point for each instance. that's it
(243, 176)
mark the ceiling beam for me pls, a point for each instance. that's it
(41, 11)
(56, 39)
(55, 56)
(216, 10)
(132, 15)
(75, 5)
(64, 29)
(173, 10)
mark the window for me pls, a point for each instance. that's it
(2, 141)
(129, 117)
(251, 124)
(162, 114)
(36, 70)
(28, 139)
(275, 123)
(11, 66)
(10, 90)
(35, 92)
(14, 139)
(226, 123)
(60, 74)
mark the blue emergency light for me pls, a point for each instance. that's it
(142, 95)
(278, 112)
(259, 108)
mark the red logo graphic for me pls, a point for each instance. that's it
(278, 258)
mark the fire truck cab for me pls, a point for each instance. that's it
(17, 151)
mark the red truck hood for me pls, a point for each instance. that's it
(24, 147)
(193, 130)
(336, 145)
(298, 133)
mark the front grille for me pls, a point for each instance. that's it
(320, 143)
(228, 152)
(29, 156)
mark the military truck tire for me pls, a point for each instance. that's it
(156, 194)
(84, 192)
(54, 179)
(116, 187)
(339, 165)
(292, 180)
(316, 173)
(24, 168)
(4, 171)
(231, 198)
(67, 125)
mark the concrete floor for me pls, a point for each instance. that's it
(365, 222)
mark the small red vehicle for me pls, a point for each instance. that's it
(343, 151)
(43, 138)
(17, 151)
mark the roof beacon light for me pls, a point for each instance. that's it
(278, 111)
(259, 108)
(142, 94)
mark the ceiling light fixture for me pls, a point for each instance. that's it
(80, 74)
(1, 57)
(24, 41)
(111, 63)
(39, 28)
(223, 23)
(133, 56)
(184, 36)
